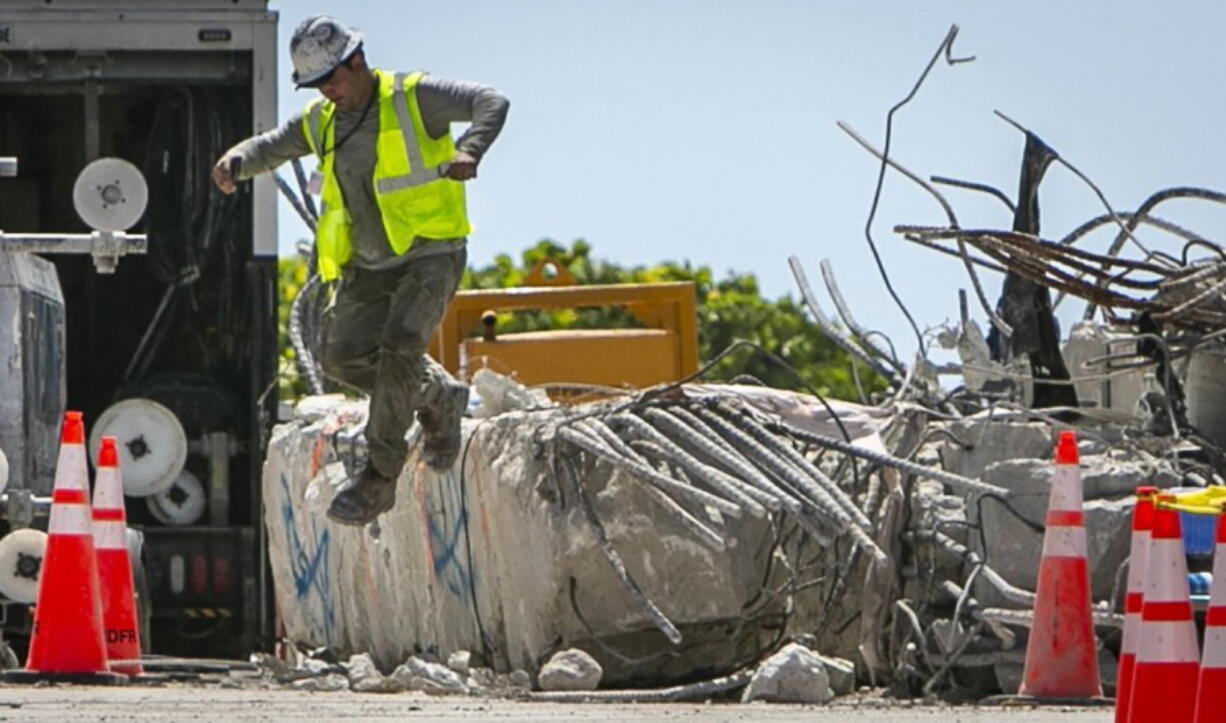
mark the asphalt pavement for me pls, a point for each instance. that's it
(174, 703)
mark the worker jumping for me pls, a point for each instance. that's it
(392, 231)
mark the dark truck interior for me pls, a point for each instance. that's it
(191, 324)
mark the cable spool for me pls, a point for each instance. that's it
(21, 560)
(182, 503)
(4, 471)
(152, 444)
(110, 195)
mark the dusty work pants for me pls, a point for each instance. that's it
(375, 336)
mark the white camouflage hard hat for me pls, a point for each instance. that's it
(318, 46)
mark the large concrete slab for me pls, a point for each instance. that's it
(496, 557)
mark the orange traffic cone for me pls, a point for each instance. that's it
(1142, 522)
(114, 568)
(1211, 690)
(1061, 659)
(1164, 679)
(67, 643)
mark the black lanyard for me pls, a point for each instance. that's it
(336, 146)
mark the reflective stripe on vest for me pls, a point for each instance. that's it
(415, 201)
(418, 174)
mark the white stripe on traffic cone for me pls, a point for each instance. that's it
(1142, 522)
(1168, 658)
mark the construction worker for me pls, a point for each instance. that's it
(391, 230)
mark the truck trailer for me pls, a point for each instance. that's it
(174, 351)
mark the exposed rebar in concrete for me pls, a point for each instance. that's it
(725, 485)
(864, 336)
(819, 488)
(964, 485)
(797, 460)
(1011, 592)
(598, 448)
(657, 617)
(693, 431)
(832, 330)
(595, 426)
(828, 511)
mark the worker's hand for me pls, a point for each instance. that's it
(223, 172)
(463, 167)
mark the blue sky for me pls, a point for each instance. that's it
(705, 129)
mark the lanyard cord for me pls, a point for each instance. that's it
(336, 146)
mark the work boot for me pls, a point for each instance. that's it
(363, 501)
(440, 426)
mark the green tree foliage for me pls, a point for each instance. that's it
(730, 308)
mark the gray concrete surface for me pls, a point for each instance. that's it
(488, 553)
(55, 703)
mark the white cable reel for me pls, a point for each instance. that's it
(4, 471)
(182, 503)
(151, 441)
(110, 194)
(21, 561)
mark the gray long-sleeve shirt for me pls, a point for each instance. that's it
(441, 101)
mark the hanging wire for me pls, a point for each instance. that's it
(946, 48)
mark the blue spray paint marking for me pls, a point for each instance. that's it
(446, 523)
(310, 567)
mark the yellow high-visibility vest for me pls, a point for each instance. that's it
(415, 201)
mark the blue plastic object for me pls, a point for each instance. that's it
(1199, 532)
(1199, 583)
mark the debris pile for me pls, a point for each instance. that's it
(752, 538)
(1133, 379)
(666, 535)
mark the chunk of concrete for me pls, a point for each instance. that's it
(795, 674)
(393, 592)
(842, 673)
(324, 683)
(1014, 546)
(481, 679)
(520, 679)
(317, 666)
(985, 442)
(571, 669)
(460, 661)
(271, 665)
(436, 678)
(364, 677)
(1102, 476)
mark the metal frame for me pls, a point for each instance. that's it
(668, 306)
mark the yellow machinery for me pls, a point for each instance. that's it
(665, 350)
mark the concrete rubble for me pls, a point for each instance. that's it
(570, 669)
(330, 682)
(841, 674)
(364, 677)
(423, 675)
(795, 674)
(693, 541)
(460, 661)
(610, 527)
